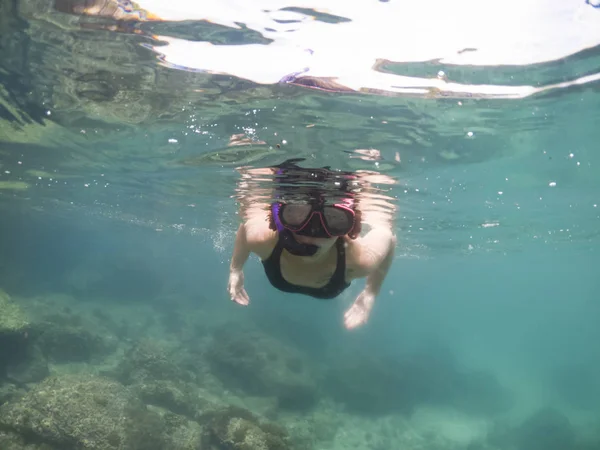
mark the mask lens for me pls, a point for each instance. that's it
(314, 228)
(295, 215)
(339, 221)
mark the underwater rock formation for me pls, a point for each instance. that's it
(14, 329)
(21, 361)
(28, 366)
(178, 398)
(480, 392)
(8, 392)
(235, 428)
(12, 441)
(547, 429)
(182, 434)
(30, 337)
(84, 412)
(12, 319)
(372, 385)
(69, 338)
(150, 360)
(152, 372)
(260, 365)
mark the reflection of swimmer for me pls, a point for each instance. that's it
(310, 246)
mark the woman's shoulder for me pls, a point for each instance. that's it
(364, 253)
(260, 237)
(354, 266)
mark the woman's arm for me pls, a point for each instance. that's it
(253, 236)
(241, 249)
(379, 258)
(376, 256)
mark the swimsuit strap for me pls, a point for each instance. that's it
(339, 275)
(335, 285)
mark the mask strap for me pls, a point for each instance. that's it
(275, 207)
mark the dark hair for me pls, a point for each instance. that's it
(293, 182)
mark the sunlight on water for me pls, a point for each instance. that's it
(343, 47)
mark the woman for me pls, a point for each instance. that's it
(310, 246)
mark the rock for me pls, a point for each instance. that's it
(235, 428)
(260, 365)
(149, 360)
(12, 318)
(12, 441)
(68, 338)
(84, 412)
(179, 398)
(379, 385)
(30, 367)
(547, 429)
(153, 371)
(20, 361)
(9, 392)
(480, 393)
(183, 434)
(366, 384)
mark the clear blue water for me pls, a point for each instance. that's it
(118, 192)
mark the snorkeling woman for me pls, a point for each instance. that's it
(310, 246)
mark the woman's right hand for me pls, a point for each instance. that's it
(236, 288)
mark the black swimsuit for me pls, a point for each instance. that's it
(336, 285)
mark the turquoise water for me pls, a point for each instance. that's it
(121, 128)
